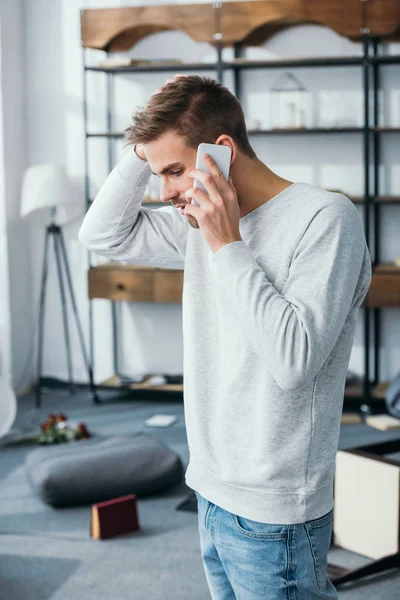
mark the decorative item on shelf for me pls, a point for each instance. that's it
(253, 124)
(290, 103)
(48, 199)
(340, 108)
(390, 107)
(57, 429)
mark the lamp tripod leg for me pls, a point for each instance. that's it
(64, 307)
(89, 368)
(38, 391)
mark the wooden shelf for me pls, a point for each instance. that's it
(326, 61)
(146, 201)
(387, 267)
(386, 199)
(355, 199)
(354, 391)
(376, 199)
(250, 23)
(305, 130)
(236, 64)
(386, 129)
(386, 60)
(151, 201)
(105, 134)
(357, 391)
(379, 390)
(384, 290)
(246, 63)
(156, 68)
(114, 382)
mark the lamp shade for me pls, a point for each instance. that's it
(47, 194)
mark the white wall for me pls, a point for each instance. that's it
(5, 311)
(14, 144)
(152, 334)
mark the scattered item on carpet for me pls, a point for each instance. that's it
(103, 468)
(57, 429)
(349, 418)
(114, 517)
(174, 379)
(151, 379)
(392, 397)
(189, 503)
(127, 379)
(383, 422)
(156, 380)
(160, 421)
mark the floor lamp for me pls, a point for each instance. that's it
(48, 198)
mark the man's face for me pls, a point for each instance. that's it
(171, 160)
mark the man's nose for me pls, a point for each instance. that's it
(167, 193)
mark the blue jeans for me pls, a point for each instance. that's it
(248, 560)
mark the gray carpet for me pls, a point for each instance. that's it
(47, 554)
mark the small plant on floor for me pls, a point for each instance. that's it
(57, 430)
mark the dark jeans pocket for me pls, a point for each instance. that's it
(319, 533)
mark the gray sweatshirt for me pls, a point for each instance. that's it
(268, 325)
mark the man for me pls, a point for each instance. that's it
(275, 273)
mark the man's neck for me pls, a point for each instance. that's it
(255, 183)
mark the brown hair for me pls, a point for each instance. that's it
(198, 108)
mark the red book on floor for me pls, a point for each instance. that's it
(114, 517)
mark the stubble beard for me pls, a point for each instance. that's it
(193, 222)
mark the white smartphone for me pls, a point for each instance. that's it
(222, 157)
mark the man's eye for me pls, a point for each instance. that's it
(176, 173)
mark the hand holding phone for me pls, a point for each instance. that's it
(222, 158)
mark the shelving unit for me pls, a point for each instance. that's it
(119, 29)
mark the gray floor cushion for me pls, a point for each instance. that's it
(101, 468)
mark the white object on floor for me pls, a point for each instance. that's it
(366, 500)
(160, 420)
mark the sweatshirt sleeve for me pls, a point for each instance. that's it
(118, 227)
(295, 331)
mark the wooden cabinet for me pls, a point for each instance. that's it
(385, 287)
(134, 283)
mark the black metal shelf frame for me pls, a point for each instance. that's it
(302, 131)
(328, 61)
(370, 59)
